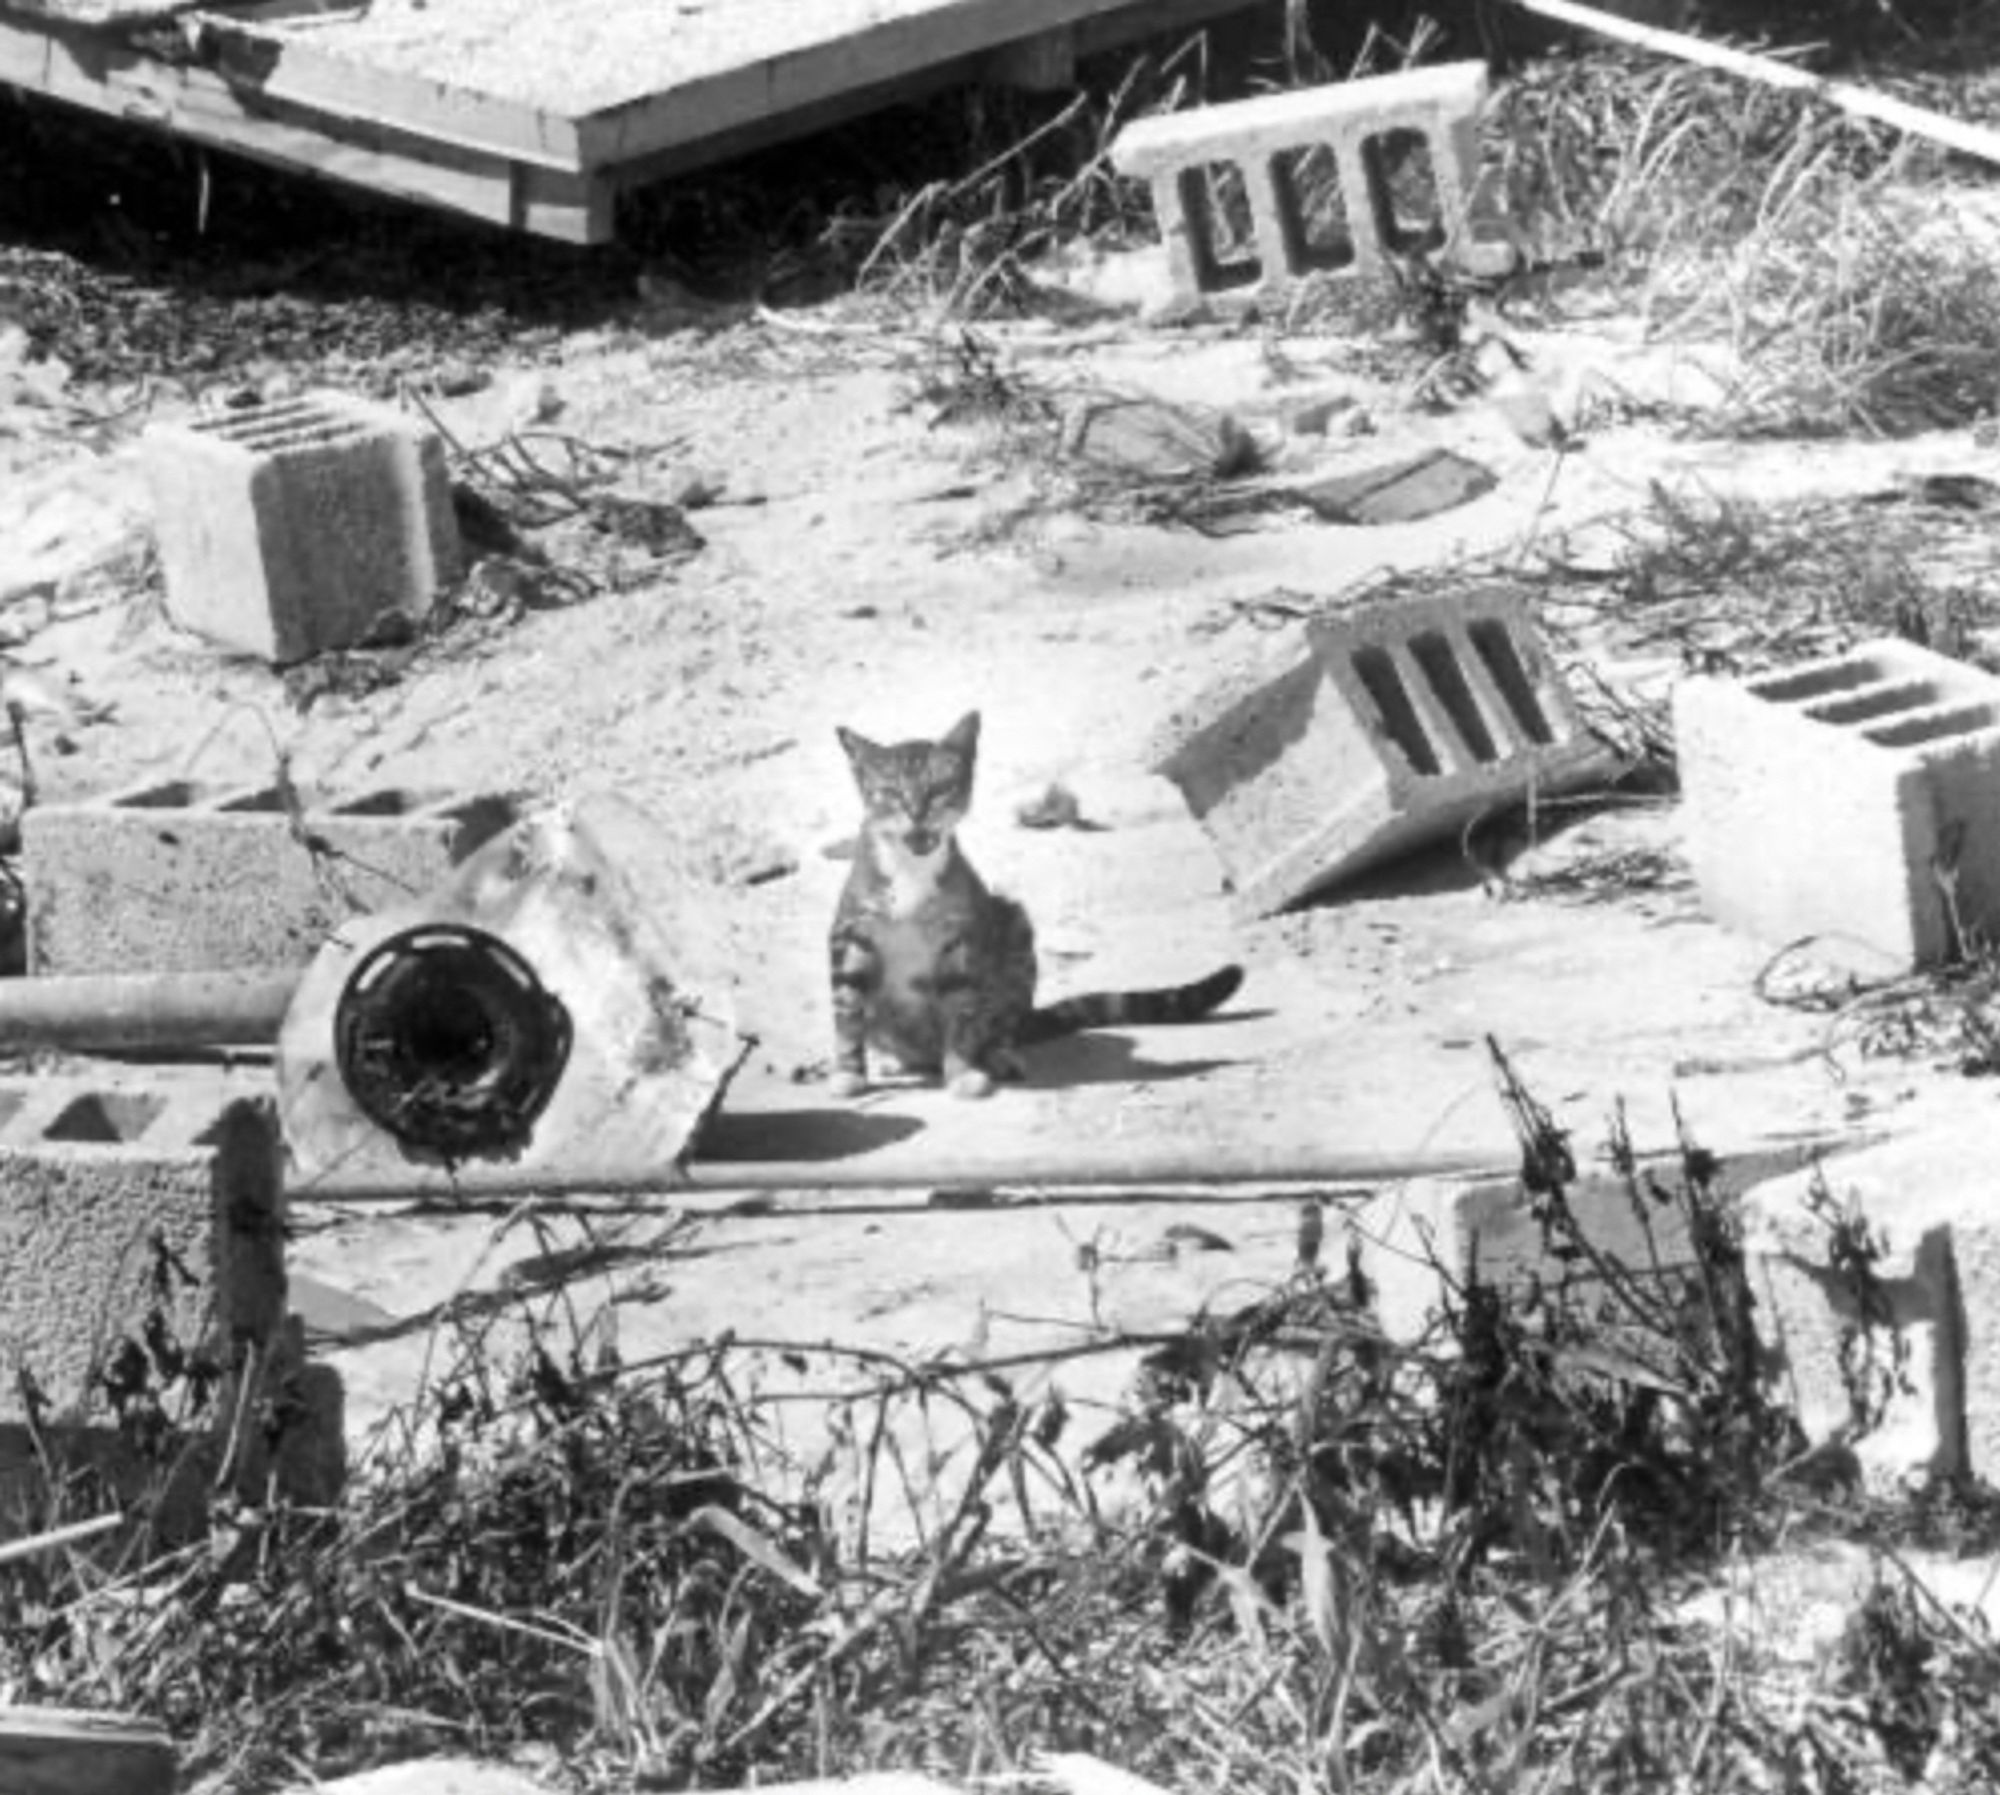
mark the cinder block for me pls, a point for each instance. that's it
(290, 528)
(1423, 1239)
(1354, 738)
(178, 877)
(124, 1203)
(1935, 1396)
(1841, 798)
(1265, 140)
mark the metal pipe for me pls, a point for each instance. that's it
(1077, 1164)
(1981, 141)
(145, 1012)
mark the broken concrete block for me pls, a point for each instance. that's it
(119, 1200)
(1913, 1348)
(142, 1235)
(1850, 799)
(1422, 1239)
(1400, 492)
(1273, 144)
(297, 526)
(1148, 439)
(180, 877)
(561, 1004)
(1356, 737)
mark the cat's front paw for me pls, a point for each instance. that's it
(846, 1082)
(972, 1082)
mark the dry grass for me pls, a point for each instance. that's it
(1458, 1563)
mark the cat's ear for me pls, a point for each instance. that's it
(858, 747)
(964, 736)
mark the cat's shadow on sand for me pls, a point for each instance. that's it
(1104, 1056)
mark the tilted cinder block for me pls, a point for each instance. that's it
(301, 525)
(178, 877)
(1269, 142)
(1854, 800)
(1356, 737)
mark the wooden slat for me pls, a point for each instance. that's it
(1104, 33)
(894, 49)
(287, 71)
(690, 124)
(54, 1751)
(126, 83)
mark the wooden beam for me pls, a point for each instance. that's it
(891, 51)
(289, 71)
(123, 82)
(1106, 32)
(62, 1751)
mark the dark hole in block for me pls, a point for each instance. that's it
(175, 794)
(1402, 190)
(1378, 675)
(268, 800)
(1961, 719)
(1447, 679)
(106, 1117)
(1812, 682)
(1312, 208)
(1875, 701)
(1503, 666)
(1222, 233)
(384, 804)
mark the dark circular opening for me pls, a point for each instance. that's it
(446, 1039)
(448, 1032)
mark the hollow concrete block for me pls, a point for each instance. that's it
(1265, 140)
(1915, 1351)
(179, 877)
(1855, 800)
(1356, 737)
(301, 525)
(121, 1202)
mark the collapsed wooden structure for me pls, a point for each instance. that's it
(536, 114)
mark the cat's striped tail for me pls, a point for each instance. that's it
(1110, 1009)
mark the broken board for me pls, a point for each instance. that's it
(535, 114)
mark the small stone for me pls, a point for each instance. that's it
(1313, 416)
(1053, 808)
(692, 489)
(455, 379)
(532, 400)
(1150, 439)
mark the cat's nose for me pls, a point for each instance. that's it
(921, 841)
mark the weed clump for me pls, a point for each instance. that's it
(1461, 1562)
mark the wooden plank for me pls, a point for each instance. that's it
(892, 50)
(58, 1751)
(126, 83)
(288, 67)
(288, 71)
(1106, 33)
(458, 65)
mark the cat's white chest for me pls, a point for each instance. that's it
(904, 948)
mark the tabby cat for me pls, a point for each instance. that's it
(930, 968)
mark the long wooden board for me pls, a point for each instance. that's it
(125, 82)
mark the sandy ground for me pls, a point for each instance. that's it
(868, 567)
